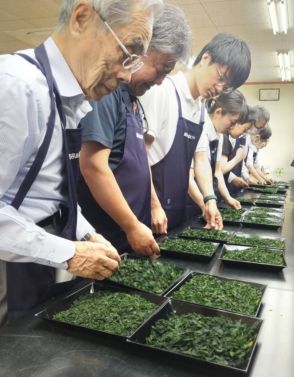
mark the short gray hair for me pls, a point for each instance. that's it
(115, 12)
(262, 113)
(171, 33)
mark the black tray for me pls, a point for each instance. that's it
(189, 255)
(269, 203)
(241, 234)
(180, 307)
(248, 224)
(64, 303)
(192, 274)
(215, 239)
(130, 256)
(251, 265)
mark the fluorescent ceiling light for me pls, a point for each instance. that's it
(285, 65)
(278, 15)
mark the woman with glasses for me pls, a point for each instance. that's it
(44, 95)
(114, 162)
(176, 115)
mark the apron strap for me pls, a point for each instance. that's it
(42, 152)
(178, 98)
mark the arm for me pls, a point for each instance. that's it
(223, 188)
(159, 220)
(227, 166)
(203, 175)
(195, 193)
(104, 188)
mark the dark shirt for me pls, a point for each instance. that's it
(106, 125)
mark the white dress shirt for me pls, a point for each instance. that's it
(162, 112)
(24, 111)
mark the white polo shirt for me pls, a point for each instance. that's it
(161, 111)
(209, 134)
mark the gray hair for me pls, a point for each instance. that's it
(115, 12)
(262, 113)
(171, 33)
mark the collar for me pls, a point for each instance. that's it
(181, 83)
(68, 85)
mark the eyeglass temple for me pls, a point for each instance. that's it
(116, 38)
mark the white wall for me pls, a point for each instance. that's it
(280, 151)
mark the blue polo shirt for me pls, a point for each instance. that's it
(106, 124)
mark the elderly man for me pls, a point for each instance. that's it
(43, 98)
(113, 157)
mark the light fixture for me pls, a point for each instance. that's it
(285, 65)
(279, 15)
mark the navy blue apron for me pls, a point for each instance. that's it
(171, 174)
(132, 175)
(30, 284)
(237, 169)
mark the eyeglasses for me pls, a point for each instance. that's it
(224, 82)
(133, 62)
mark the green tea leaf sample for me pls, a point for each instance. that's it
(233, 295)
(255, 255)
(113, 312)
(188, 246)
(148, 275)
(215, 339)
(211, 234)
(256, 241)
(231, 214)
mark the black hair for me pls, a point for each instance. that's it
(225, 49)
(230, 103)
(265, 133)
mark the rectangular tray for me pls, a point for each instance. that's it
(180, 307)
(241, 234)
(64, 303)
(215, 239)
(188, 255)
(245, 223)
(272, 204)
(129, 256)
(251, 265)
(193, 273)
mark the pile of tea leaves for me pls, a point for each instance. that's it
(206, 234)
(258, 241)
(255, 219)
(188, 246)
(255, 255)
(231, 214)
(113, 312)
(232, 295)
(147, 275)
(219, 340)
(265, 190)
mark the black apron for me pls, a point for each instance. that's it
(132, 175)
(237, 169)
(30, 284)
(171, 174)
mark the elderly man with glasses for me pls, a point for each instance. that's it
(113, 156)
(44, 95)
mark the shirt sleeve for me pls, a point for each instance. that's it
(227, 146)
(244, 172)
(249, 161)
(203, 143)
(99, 124)
(21, 240)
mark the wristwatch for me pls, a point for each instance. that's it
(86, 237)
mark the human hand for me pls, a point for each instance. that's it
(239, 182)
(233, 203)
(158, 220)
(212, 216)
(93, 260)
(141, 240)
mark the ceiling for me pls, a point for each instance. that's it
(26, 23)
